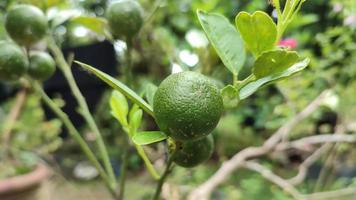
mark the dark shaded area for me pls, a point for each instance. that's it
(100, 55)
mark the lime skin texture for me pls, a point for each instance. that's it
(192, 153)
(26, 24)
(187, 106)
(125, 18)
(13, 61)
(42, 66)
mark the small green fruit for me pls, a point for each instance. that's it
(26, 24)
(187, 106)
(192, 153)
(42, 66)
(13, 61)
(125, 18)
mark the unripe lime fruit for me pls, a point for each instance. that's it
(13, 61)
(26, 24)
(192, 153)
(42, 66)
(125, 18)
(187, 106)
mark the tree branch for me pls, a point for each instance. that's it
(204, 191)
(303, 168)
(316, 139)
(269, 175)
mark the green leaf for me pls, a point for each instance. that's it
(150, 92)
(253, 86)
(119, 107)
(225, 39)
(96, 24)
(61, 16)
(117, 85)
(272, 62)
(148, 137)
(135, 120)
(258, 31)
(230, 96)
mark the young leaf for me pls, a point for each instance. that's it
(253, 86)
(119, 107)
(148, 137)
(96, 24)
(150, 92)
(230, 96)
(135, 120)
(258, 31)
(272, 62)
(225, 39)
(117, 85)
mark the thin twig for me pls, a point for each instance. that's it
(73, 132)
(316, 139)
(303, 168)
(269, 175)
(228, 167)
(11, 118)
(167, 171)
(84, 109)
(337, 194)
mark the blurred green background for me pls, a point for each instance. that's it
(172, 40)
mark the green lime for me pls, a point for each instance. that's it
(42, 66)
(125, 18)
(13, 61)
(26, 24)
(187, 106)
(193, 153)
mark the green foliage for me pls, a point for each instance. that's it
(116, 84)
(258, 31)
(225, 39)
(96, 24)
(230, 96)
(273, 62)
(29, 143)
(148, 137)
(254, 85)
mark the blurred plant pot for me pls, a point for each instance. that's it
(24, 187)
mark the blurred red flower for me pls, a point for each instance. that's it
(290, 43)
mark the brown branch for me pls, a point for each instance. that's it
(289, 188)
(337, 194)
(286, 128)
(303, 168)
(316, 139)
(204, 190)
(12, 116)
(269, 175)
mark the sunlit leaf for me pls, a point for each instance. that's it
(258, 31)
(96, 24)
(148, 137)
(121, 87)
(150, 92)
(135, 119)
(119, 107)
(272, 62)
(225, 39)
(253, 86)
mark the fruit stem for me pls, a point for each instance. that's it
(147, 162)
(73, 132)
(84, 109)
(123, 168)
(167, 171)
